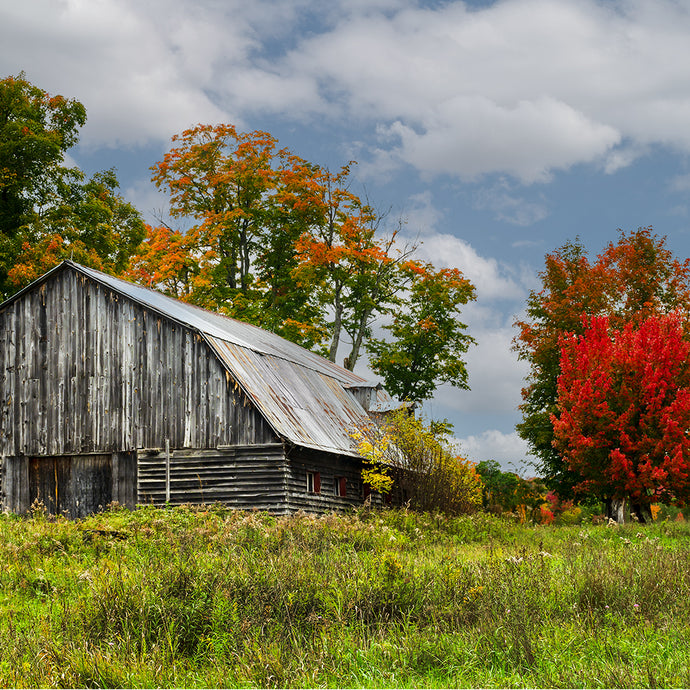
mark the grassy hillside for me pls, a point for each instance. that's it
(209, 597)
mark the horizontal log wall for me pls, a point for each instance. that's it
(239, 477)
(85, 370)
(301, 461)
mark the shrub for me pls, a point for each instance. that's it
(427, 473)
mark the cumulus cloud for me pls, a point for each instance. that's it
(492, 279)
(521, 87)
(524, 87)
(495, 376)
(553, 135)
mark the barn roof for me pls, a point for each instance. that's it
(303, 396)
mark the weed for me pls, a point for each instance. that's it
(210, 597)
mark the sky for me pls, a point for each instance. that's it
(494, 131)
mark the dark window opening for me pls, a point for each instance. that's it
(340, 486)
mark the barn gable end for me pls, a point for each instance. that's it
(86, 370)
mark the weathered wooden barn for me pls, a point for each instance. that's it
(110, 391)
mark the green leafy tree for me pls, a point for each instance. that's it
(500, 488)
(354, 272)
(429, 341)
(90, 223)
(36, 129)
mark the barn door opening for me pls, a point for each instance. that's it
(76, 485)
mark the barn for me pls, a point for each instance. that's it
(112, 392)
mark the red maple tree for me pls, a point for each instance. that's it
(624, 410)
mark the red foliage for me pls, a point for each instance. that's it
(546, 516)
(624, 403)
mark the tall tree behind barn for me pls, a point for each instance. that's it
(114, 392)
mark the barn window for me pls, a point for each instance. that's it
(314, 482)
(340, 487)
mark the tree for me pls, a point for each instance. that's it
(286, 245)
(90, 222)
(355, 274)
(252, 202)
(429, 340)
(624, 410)
(36, 130)
(165, 259)
(632, 279)
(500, 492)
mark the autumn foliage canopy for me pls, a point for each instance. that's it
(266, 237)
(632, 280)
(624, 402)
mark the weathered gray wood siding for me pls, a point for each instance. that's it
(86, 370)
(244, 477)
(329, 467)
(75, 485)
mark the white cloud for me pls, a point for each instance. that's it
(421, 216)
(141, 69)
(522, 87)
(509, 450)
(496, 377)
(622, 157)
(492, 279)
(473, 136)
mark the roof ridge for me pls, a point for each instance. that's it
(264, 342)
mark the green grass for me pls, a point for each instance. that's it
(210, 597)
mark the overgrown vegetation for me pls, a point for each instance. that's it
(415, 463)
(210, 597)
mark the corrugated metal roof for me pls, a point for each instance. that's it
(303, 405)
(389, 405)
(222, 327)
(302, 395)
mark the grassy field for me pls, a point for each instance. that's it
(208, 597)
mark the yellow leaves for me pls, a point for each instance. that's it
(434, 476)
(375, 446)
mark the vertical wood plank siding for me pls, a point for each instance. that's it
(239, 477)
(75, 485)
(86, 370)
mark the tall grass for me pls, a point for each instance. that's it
(210, 597)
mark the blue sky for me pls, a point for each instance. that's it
(495, 130)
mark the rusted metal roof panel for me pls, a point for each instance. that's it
(304, 406)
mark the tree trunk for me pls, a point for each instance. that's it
(357, 341)
(337, 325)
(615, 509)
